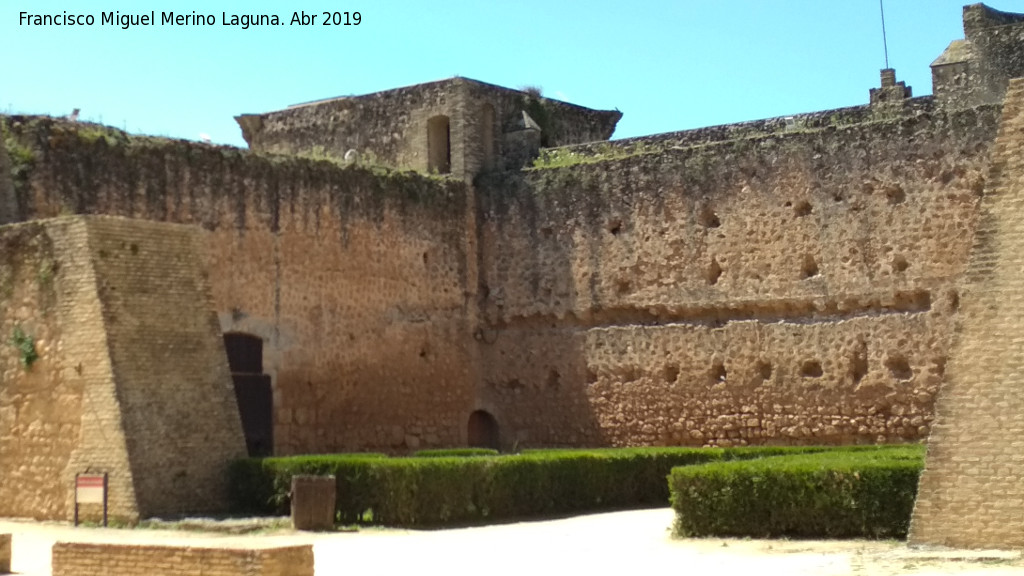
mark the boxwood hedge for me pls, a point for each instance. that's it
(837, 494)
(465, 452)
(456, 490)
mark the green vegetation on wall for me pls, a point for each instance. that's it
(22, 159)
(26, 347)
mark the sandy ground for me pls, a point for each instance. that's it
(616, 543)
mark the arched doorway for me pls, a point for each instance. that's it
(439, 148)
(252, 391)
(483, 430)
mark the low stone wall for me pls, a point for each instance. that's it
(5, 553)
(75, 558)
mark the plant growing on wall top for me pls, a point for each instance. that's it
(26, 346)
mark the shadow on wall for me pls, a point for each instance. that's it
(252, 391)
(532, 358)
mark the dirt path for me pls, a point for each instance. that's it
(615, 543)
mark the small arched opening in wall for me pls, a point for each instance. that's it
(483, 430)
(487, 137)
(439, 145)
(253, 391)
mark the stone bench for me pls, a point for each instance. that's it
(78, 558)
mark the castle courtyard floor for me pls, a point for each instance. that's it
(615, 543)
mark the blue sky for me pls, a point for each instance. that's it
(667, 65)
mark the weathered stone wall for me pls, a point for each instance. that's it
(975, 70)
(48, 295)
(93, 312)
(390, 127)
(789, 286)
(8, 200)
(970, 493)
(77, 558)
(177, 405)
(354, 279)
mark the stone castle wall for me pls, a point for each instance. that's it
(41, 404)
(354, 279)
(390, 127)
(93, 313)
(790, 280)
(178, 412)
(790, 286)
(756, 284)
(970, 493)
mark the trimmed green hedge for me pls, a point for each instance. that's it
(458, 452)
(862, 492)
(453, 490)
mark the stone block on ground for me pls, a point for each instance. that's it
(313, 502)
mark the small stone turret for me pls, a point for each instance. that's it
(457, 126)
(976, 70)
(891, 90)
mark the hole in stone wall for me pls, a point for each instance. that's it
(837, 197)
(811, 369)
(671, 373)
(627, 374)
(134, 248)
(802, 208)
(547, 232)
(978, 185)
(717, 373)
(707, 218)
(714, 272)
(591, 376)
(954, 300)
(809, 269)
(623, 286)
(895, 194)
(439, 153)
(615, 226)
(859, 363)
(916, 300)
(899, 263)
(554, 381)
(899, 367)
(764, 370)
(426, 259)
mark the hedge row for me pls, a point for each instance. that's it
(453, 490)
(463, 452)
(838, 494)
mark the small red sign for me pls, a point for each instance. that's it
(90, 489)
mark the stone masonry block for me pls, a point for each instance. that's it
(313, 502)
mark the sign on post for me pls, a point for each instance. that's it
(91, 489)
